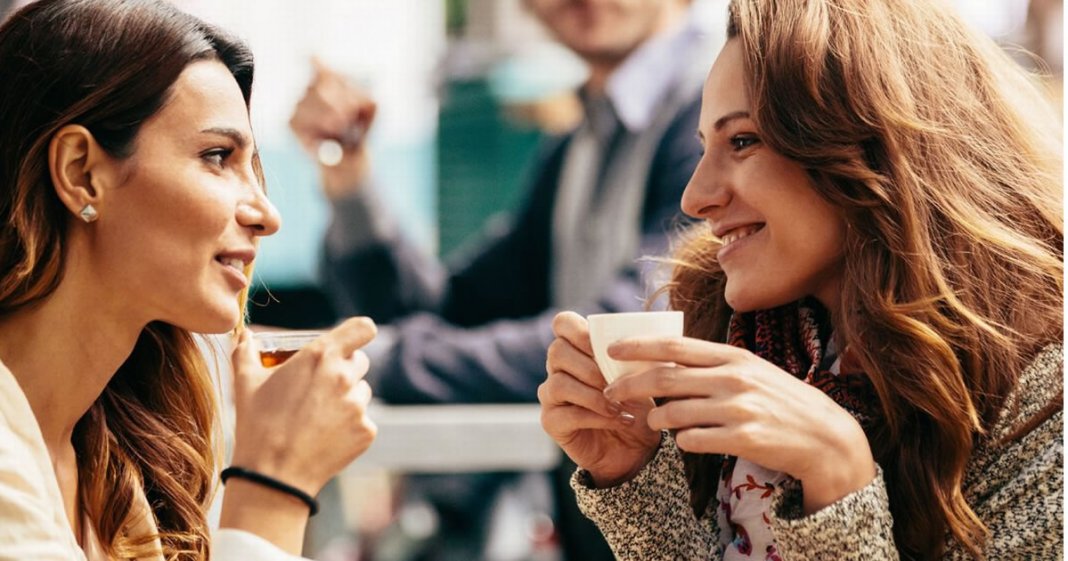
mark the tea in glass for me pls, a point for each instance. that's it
(277, 346)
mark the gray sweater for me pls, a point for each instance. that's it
(1015, 488)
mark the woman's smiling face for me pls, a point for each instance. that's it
(781, 240)
(180, 227)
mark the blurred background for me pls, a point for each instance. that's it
(465, 90)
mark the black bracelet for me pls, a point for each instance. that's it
(256, 477)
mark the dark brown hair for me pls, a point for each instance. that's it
(109, 65)
(945, 159)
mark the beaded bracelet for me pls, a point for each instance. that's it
(256, 477)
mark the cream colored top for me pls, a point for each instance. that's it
(33, 523)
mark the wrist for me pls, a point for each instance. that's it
(603, 479)
(820, 493)
(270, 483)
(274, 516)
(341, 181)
(273, 466)
(839, 475)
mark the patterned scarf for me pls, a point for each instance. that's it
(796, 338)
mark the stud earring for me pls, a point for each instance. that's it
(88, 214)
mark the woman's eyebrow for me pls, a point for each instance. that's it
(235, 135)
(719, 124)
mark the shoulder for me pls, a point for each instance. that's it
(1026, 444)
(551, 149)
(678, 150)
(1039, 385)
(681, 134)
(676, 157)
(543, 170)
(30, 521)
(18, 426)
(1015, 481)
(21, 445)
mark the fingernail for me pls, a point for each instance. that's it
(615, 408)
(608, 392)
(626, 418)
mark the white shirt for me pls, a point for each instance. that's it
(33, 523)
(604, 175)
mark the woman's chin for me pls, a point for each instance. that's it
(739, 299)
(745, 299)
(221, 321)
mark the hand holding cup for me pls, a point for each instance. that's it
(612, 441)
(606, 329)
(304, 420)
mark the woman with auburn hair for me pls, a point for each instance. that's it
(131, 208)
(873, 299)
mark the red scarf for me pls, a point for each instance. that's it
(794, 337)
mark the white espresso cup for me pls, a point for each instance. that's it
(606, 329)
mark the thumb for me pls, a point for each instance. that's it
(249, 373)
(323, 72)
(318, 66)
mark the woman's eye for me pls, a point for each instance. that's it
(742, 141)
(216, 156)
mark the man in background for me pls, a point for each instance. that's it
(599, 198)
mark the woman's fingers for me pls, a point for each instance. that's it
(360, 364)
(248, 372)
(669, 382)
(245, 354)
(694, 412)
(707, 440)
(361, 394)
(356, 429)
(563, 356)
(563, 389)
(564, 420)
(341, 342)
(307, 418)
(574, 329)
(680, 350)
(351, 335)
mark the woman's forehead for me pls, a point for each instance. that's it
(724, 90)
(205, 96)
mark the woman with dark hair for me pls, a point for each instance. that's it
(132, 204)
(874, 309)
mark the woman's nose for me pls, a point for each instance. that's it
(705, 192)
(260, 215)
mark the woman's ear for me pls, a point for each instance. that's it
(80, 170)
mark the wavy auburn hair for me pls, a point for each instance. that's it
(944, 157)
(109, 65)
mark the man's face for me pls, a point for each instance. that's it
(603, 30)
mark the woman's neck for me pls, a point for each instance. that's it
(64, 350)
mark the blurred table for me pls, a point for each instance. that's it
(428, 439)
(457, 439)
